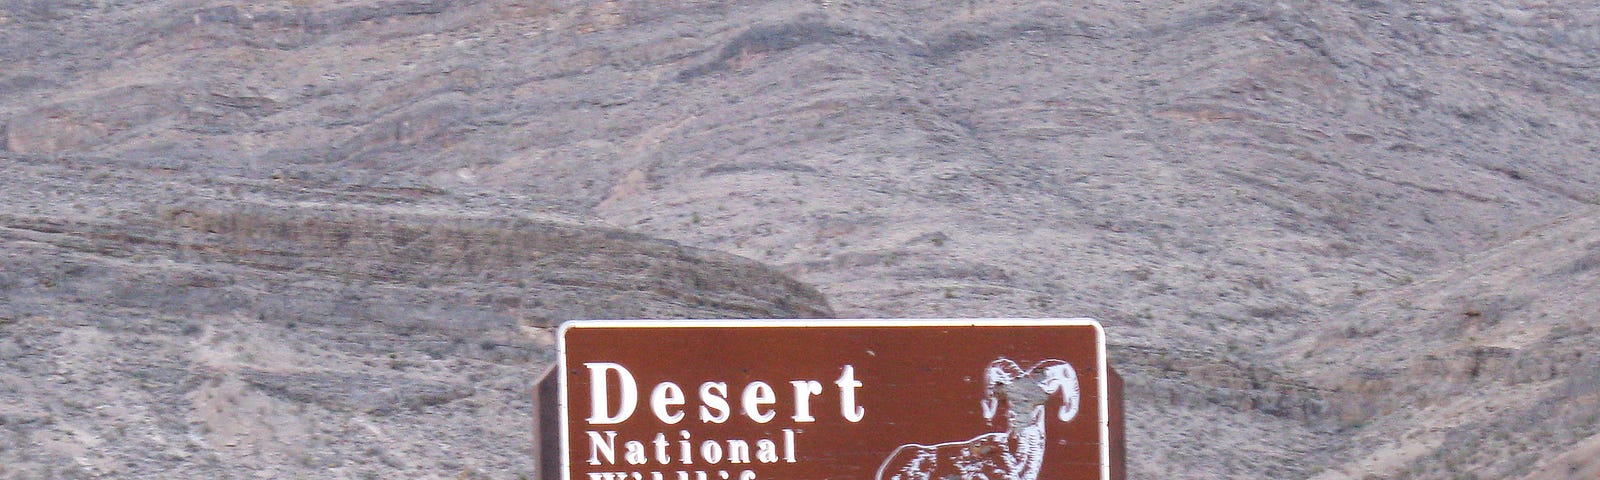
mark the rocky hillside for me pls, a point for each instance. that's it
(160, 325)
(1486, 369)
(1228, 185)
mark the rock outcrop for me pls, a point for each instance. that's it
(213, 328)
(1217, 180)
(1486, 369)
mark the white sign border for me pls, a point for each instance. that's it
(1099, 341)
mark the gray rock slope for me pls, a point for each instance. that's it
(1218, 181)
(1487, 369)
(160, 325)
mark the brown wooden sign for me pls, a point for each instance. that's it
(1020, 399)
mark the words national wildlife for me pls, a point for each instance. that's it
(1015, 399)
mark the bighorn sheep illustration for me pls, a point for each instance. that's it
(1014, 454)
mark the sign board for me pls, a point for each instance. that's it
(1021, 399)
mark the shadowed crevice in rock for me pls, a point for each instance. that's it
(766, 39)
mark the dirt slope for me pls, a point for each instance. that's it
(1578, 463)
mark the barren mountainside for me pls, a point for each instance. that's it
(1327, 239)
(1487, 368)
(193, 327)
